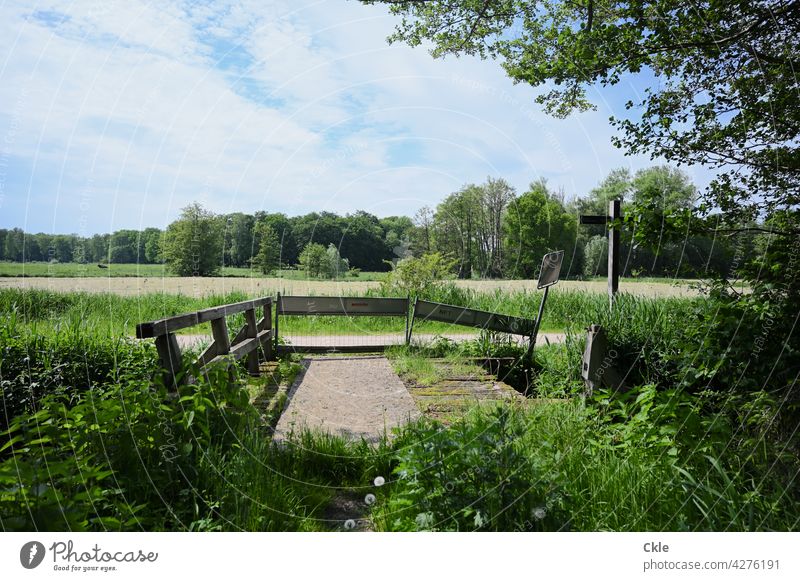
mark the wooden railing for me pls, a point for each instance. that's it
(253, 335)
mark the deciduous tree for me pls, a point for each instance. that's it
(193, 243)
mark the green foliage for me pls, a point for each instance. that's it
(478, 226)
(94, 314)
(646, 460)
(312, 260)
(78, 462)
(716, 99)
(727, 478)
(152, 238)
(468, 225)
(319, 262)
(269, 251)
(123, 247)
(595, 257)
(68, 364)
(102, 447)
(193, 243)
(56, 478)
(241, 239)
(474, 475)
(334, 265)
(536, 223)
(418, 277)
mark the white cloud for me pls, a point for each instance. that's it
(143, 107)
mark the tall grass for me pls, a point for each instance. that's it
(260, 486)
(103, 314)
(560, 466)
(111, 314)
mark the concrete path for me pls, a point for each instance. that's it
(354, 397)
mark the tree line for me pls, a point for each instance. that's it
(487, 231)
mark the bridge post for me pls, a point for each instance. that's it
(277, 317)
(252, 333)
(266, 344)
(170, 355)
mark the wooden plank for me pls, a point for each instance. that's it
(216, 361)
(277, 322)
(345, 306)
(594, 219)
(240, 349)
(207, 355)
(169, 352)
(266, 325)
(241, 334)
(431, 311)
(169, 324)
(219, 329)
(251, 330)
(246, 346)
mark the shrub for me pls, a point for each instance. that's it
(418, 277)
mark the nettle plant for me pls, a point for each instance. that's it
(118, 458)
(474, 475)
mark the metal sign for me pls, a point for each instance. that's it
(430, 311)
(551, 269)
(346, 306)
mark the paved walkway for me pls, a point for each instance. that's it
(354, 397)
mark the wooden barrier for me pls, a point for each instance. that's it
(549, 274)
(309, 306)
(253, 335)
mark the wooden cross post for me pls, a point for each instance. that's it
(614, 214)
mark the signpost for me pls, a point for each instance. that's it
(548, 276)
(614, 214)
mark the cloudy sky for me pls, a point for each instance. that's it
(117, 114)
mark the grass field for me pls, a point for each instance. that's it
(77, 270)
(262, 286)
(147, 278)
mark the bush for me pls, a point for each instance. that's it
(594, 257)
(418, 277)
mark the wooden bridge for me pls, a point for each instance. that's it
(254, 336)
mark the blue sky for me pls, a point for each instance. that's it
(117, 114)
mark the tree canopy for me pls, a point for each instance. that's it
(193, 243)
(724, 91)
